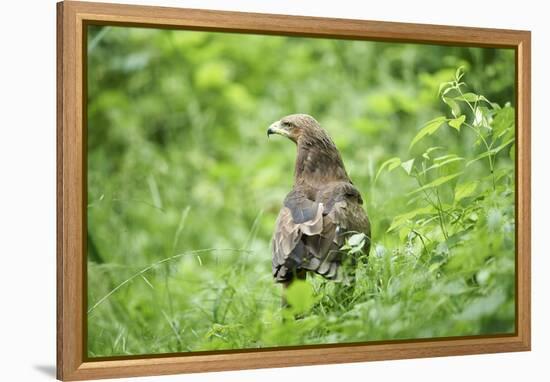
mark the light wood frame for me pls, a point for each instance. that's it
(72, 18)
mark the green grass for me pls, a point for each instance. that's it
(184, 189)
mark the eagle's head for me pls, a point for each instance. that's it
(298, 127)
(317, 159)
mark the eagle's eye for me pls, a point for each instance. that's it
(285, 124)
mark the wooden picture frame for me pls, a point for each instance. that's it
(72, 18)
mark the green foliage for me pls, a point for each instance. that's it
(430, 128)
(184, 189)
(461, 228)
(300, 297)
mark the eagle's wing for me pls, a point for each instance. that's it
(299, 216)
(308, 234)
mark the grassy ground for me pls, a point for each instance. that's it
(184, 188)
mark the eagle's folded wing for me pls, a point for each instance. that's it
(308, 236)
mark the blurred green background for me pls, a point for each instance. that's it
(184, 189)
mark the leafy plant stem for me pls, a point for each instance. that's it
(488, 147)
(441, 217)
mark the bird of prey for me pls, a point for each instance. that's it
(321, 210)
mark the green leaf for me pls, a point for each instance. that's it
(478, 117)
(437, 182)
(480, 156)
(407, 166)
(445, 86)
(299, 296)
(428, 129)
(443, 161)
(468, 97)
(390, 164)
(394, 164)
(457, 122)
(465, 189)
(403, 218)
(434, 267)
(459, 73)
(503, 121)
(483, 306)
(403, 233)
(482, 116)
(445, 158)
(494, 151)
(455, 108)
(357, 240)
(429, 151)
(483, 276)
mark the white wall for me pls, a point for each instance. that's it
(27, 188)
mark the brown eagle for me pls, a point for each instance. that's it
(323, 208)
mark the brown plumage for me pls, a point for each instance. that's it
(323, 208)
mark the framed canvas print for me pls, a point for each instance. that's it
(244, 190)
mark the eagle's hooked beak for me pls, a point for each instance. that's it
(276, 128)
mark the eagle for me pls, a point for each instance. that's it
(322, 209)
